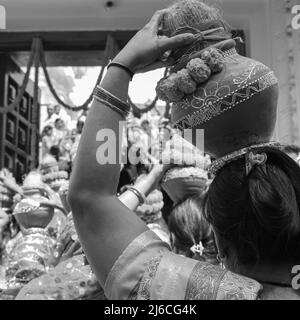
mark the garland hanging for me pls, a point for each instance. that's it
(149, 107)
(85, 105)
(37, 50)
(22, 88)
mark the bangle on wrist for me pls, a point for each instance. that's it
(139, 194)
(111, 101)
(122, 66)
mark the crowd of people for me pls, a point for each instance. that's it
(57, 139)
(41, 256)
(169, 221)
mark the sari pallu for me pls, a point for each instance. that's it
(148, 270)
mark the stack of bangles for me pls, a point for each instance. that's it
(109, 99)
(141, 197)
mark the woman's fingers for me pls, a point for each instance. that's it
(180, 40)
(153, 66)
(157, 65)
(156, 19)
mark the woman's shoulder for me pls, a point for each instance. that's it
(188, 279)
(148, 270)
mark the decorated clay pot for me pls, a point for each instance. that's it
(231, 97)
(235, 107)
(33, 217)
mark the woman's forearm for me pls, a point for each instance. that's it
(90, 176)
(106, 226)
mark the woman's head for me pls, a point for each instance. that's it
(50, 110)
(48, 130)
(256, 217)
(188, 225)
(59, 124)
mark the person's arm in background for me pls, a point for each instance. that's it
(105, 225)
(4, 220)
(9, 182)
(145, 185)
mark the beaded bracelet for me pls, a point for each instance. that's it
(111, 101)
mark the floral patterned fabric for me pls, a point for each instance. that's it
(148, 270)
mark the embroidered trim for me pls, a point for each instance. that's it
(129, 254)
(215, 104)
(221, 162)
(142, 291)
(204, 282)
(237, 287)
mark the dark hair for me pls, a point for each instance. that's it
(258, 215)
(189, 226)
(57, 120)
(145, 122)
(291, 149)
(47, 128)
(79, 126)
(55, 152)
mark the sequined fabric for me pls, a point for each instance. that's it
(68, 244)
(70, 280)
(30, 256)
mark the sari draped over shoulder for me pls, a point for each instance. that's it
(148, 270)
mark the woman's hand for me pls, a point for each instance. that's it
(145, 50)
(158, 171)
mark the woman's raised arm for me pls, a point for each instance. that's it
(105, 226)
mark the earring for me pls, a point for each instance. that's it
(221, 260)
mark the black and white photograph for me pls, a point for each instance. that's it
(150, 150)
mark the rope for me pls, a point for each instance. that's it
(35, 107)
(37, 49)
(85, 105)
(22, 88)
(137, 110)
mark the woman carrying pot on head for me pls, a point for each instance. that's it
(253, 202)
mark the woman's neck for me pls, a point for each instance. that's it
(276, 274)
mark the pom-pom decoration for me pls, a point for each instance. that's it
(174, 87)
(198, 70)
(185, 82)
(214, 59)
(167, 89)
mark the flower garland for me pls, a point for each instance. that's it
(173, 88)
